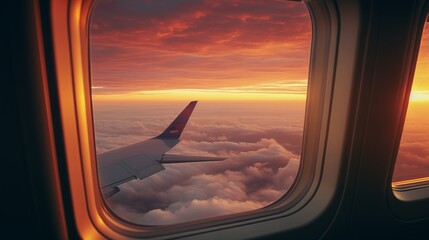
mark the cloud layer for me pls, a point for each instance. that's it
(262, 161)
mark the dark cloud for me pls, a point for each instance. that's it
(258, 170)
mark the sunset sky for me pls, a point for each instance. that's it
(229, 50)
(246, 62)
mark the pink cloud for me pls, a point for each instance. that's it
(152, 45)
(258, 170)
(197, 209)
(258, 175)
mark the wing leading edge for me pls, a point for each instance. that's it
(145, 158)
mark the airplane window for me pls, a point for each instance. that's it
(413, 157)
(198, 105)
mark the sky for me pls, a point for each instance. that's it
(246, 62)
(170, 49)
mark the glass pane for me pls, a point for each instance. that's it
(413, 156)
(245, 62)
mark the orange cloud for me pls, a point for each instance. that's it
(206, 45)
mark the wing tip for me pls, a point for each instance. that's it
(175, 129)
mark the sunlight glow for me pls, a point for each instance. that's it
(201, 94)
(273, 91)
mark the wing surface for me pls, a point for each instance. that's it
(145, 158)
(139, 160)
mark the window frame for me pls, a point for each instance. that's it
(313, 194)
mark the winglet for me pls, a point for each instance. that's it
(176, 127)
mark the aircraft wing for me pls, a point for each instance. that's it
(136, 161)
(143, 159)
